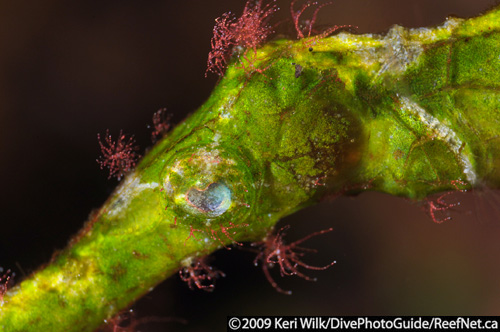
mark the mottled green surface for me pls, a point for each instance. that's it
(409, 114)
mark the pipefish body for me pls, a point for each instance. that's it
(409, 113)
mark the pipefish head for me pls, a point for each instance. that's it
(265, 144)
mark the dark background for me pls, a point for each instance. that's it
(71, 69)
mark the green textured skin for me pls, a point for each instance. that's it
(409, 114)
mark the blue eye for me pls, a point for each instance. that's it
(202, 184)
(214, 200)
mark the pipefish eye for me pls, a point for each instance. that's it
(215, 199)
(205, 183)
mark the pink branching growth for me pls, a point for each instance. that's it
(121, 322)
(252, 28)
(306, 29)
(216, 234)
(118, 156)
(126, 321)
(161, 124)
(227, 231)
(248, 31)
(287, 256)
(6, 281)
(201, 275)
(191, 233)
(222, 43)
(439, 205)
(320, 181)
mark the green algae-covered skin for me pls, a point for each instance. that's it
(409, 113)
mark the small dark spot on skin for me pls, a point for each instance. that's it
(62, 303)
(461, 148)
(132, 290)
(139, 255)
(310, 49)
(117, 204)
(118, 272)
(35, 321)
(398, 154)
(298, 70)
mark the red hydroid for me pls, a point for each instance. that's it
(248, 31)
(201, 275)
(118, 156)
(287, 256)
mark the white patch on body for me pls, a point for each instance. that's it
(444, 133)
(129, 189)
(399, 51)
